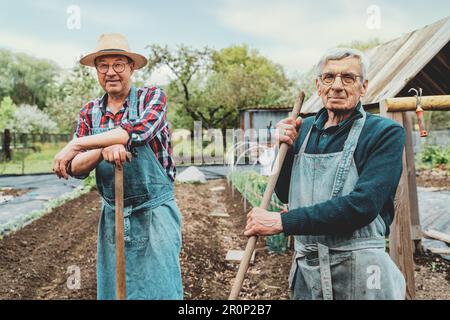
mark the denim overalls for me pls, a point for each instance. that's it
(339, 266)
(152, 225)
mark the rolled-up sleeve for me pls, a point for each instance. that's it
(152, 119)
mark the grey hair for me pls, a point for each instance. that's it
(341, 53)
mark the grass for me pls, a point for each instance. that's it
(36, 160)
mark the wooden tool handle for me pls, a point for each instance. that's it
(120, 241)
(273, 178)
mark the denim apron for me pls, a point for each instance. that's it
(152, 225)
(338, 266)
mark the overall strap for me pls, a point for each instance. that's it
(133, 104)
(347, 154)
(305, 142)
(96, 116)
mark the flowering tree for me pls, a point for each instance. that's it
(30, 119)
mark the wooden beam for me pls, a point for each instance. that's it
(400, 242)
(436, 103)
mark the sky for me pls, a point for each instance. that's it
(292, 33)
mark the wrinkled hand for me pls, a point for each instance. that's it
(287, 130)
(115, 154)
(63, 157)
(263, 223)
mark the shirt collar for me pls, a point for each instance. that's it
(322, 117)
(104, 102)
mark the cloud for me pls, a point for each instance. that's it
(296, 33)
(65, 54)
(111, 16)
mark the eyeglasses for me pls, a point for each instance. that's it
(118, 67)
(347, 79)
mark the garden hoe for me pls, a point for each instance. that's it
(251, 244)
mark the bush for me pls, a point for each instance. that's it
(436, 156)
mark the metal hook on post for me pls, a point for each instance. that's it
(419, 111)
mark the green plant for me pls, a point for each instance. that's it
(436, 156)
(90, 181)
(252, 186)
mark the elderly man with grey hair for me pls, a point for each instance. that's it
(339, 178)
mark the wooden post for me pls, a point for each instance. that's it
(400, 243)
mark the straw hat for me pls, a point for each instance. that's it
(113, 43)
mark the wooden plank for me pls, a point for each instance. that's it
(443, 251)
(437, 235)
(411, 172)
(400, 242)
(437, 103)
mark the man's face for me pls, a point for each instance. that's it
(117, 79)
(341, 96)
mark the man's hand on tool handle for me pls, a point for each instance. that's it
(116, 154)
(263, 223)
(287, 130)
(63, 157)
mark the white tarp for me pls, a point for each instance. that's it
(191, 174)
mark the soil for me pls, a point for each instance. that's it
(36, 260)
(433, 178)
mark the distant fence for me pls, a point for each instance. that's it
(242, 152)
(24, 153)
(28, 140)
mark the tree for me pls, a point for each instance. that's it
(7, 109)
(244, 78)
(27, 80)
(184, 63)
(79, 87)
(211, 86)
(362, 45)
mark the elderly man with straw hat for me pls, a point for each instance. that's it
(134, 119)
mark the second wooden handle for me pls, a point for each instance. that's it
(273, 178)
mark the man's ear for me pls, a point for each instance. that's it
(364, 88)
(319, 91)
